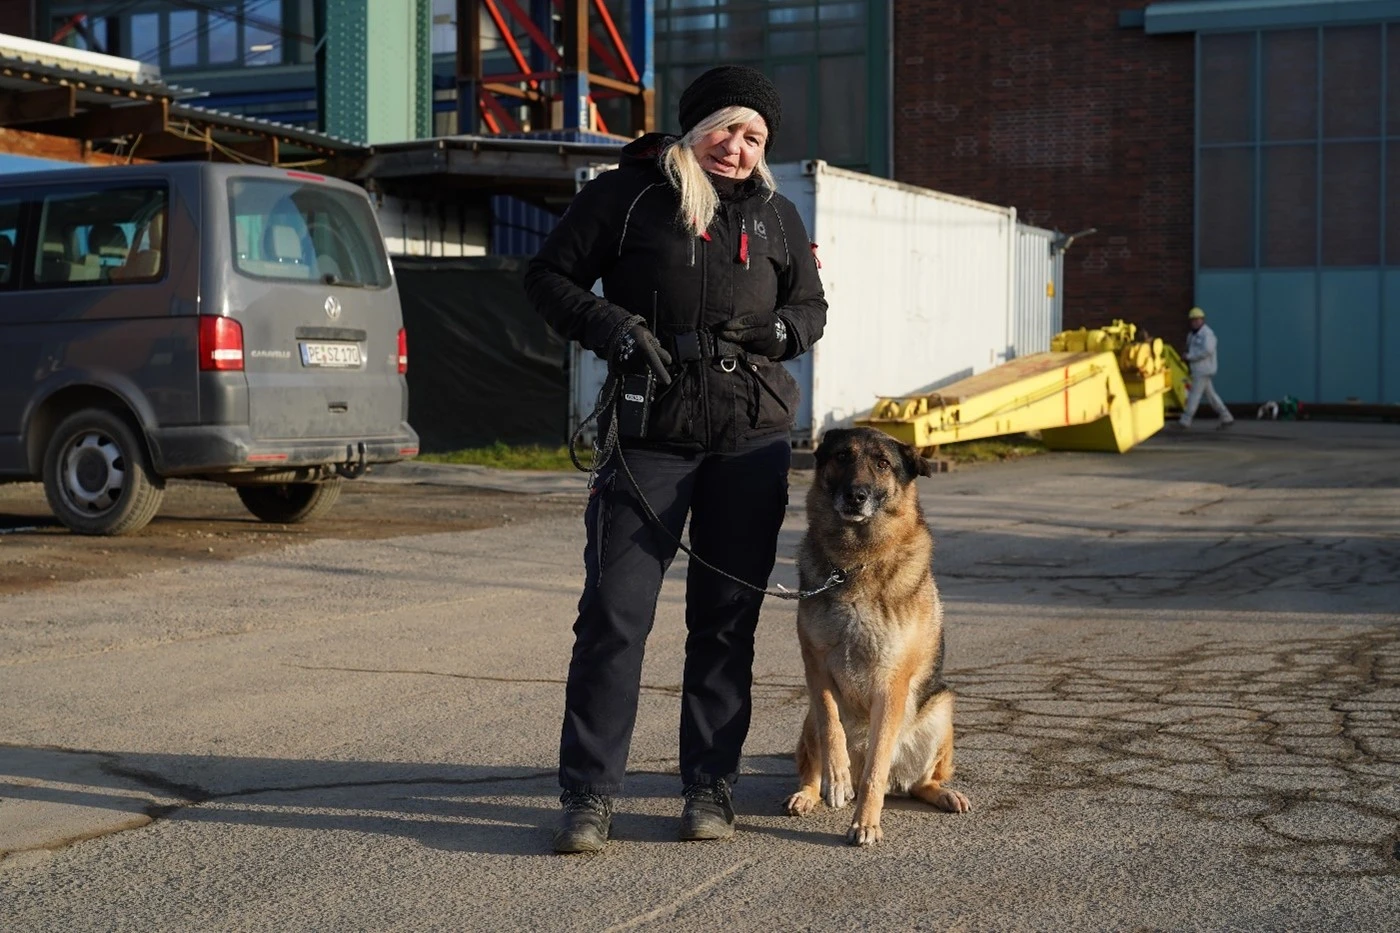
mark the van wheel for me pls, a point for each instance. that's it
(97, 477)
(290, 503)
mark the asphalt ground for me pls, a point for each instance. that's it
(1178, 674)
(205, 522)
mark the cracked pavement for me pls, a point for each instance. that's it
(1178, 675)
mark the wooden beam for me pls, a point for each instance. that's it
(625, 87)
(47, 104)
(259, 149)
(469, 61)
(108, 122)
(644, 112)
(510, 90)
(158, 148)
(35, 145)
(263, 149)
(575, 35)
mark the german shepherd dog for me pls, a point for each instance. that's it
(872, 648)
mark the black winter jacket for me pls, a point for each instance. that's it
(622, 228)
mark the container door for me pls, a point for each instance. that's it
(1037, 299)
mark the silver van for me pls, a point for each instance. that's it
(219, 322)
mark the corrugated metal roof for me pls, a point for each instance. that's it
(23, 64)
(506, 143)
(282, 131)
(15, 58)
(62, 56)
(569, 136)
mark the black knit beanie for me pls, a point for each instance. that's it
(731, 86)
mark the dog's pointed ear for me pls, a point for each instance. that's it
(828, 443)
(915, 461)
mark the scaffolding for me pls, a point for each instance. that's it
(567, 56)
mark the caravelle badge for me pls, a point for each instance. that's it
(333, 308)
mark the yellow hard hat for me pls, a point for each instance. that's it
(1195, 313)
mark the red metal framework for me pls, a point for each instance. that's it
(553, 86)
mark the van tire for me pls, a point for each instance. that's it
(290, 503)
(97, 476)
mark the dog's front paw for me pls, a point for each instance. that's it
(864, 834)
(839, 790)
(801, 803)
(952, 801)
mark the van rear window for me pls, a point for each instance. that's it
(102, 236)
(305, 233)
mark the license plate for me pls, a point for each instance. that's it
(330, 354)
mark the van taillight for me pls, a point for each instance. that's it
(220, 343)
(403, 350)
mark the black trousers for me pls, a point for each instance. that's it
(736, 503)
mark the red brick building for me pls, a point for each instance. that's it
(1076, 121)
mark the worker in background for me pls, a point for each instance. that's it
(1200, 353)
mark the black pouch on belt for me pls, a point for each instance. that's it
(634, 404)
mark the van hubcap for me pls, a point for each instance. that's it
(93, 472)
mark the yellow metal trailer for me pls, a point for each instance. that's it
(1178, 378)
(1099, 389)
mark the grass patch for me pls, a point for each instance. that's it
(535, 457)
(993, 449)
(507, 457)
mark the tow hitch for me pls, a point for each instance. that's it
(353, 468)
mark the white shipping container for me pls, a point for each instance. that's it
(923, 291)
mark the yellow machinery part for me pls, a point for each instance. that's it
(1099, 389)
(1179, 379)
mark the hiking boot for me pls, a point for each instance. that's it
(708, 813)
(585, 823)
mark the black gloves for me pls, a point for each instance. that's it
(762, 333)
(639, 347)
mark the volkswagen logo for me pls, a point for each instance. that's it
(333, 308)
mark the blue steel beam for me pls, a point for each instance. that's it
(574, 78)
(575, 98)
(642, 42)
(542, 12)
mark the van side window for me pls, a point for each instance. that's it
(9, 241)
(101, 237)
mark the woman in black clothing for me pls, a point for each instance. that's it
(709, 283)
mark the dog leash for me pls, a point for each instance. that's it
(611, 447)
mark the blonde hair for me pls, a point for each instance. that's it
(699, 200)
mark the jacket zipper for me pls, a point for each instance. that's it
(699, 322)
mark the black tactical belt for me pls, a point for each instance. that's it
(695, 345)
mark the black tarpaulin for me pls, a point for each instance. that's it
(482, 365)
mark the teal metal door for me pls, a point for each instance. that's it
(1298, 210)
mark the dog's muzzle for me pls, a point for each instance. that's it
(856, 504)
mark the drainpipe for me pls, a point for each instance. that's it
(889, 89)
(1011, 282)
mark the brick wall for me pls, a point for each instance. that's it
(1052, 108)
